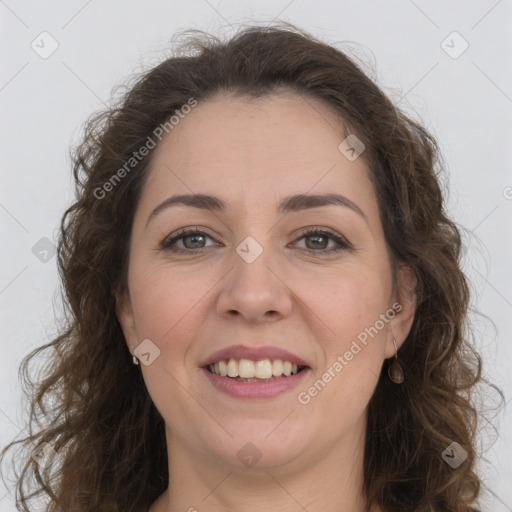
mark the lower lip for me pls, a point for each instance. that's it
(255, 389)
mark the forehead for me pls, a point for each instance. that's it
(254, 150)
(250, 131)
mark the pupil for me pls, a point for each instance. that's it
(316, 245)
(313, 241)
(192, 237)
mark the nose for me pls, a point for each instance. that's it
(256, 291)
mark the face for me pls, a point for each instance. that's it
(265, 274)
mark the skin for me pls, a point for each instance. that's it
(251, 153)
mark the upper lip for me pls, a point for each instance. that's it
(254, 354)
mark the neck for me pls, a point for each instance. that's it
(326, 481)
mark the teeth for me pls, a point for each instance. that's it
(277, 368)
(232, 368)
(263, 369)
(247, 369)
(223, 369)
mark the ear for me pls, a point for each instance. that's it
(124, 313)
(404, 305)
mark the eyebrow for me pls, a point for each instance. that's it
(288, 204)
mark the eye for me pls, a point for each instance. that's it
(192, 240)
(186, 240)
(317, 240)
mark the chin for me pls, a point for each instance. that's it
(260, 445)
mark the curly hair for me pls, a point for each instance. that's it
(90, 413)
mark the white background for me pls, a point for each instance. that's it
(466, 102)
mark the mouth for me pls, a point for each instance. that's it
(254, 372)
(247, 370)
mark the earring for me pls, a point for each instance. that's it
(395, 371)
(135, 360)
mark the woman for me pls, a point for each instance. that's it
(266, 305)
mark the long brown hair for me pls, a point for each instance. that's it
(91, 406)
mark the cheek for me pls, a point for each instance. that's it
(348, 301)
(168, 306)
(162, 299)
(352, 349)
(354, 359)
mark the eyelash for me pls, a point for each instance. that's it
(168, 242)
